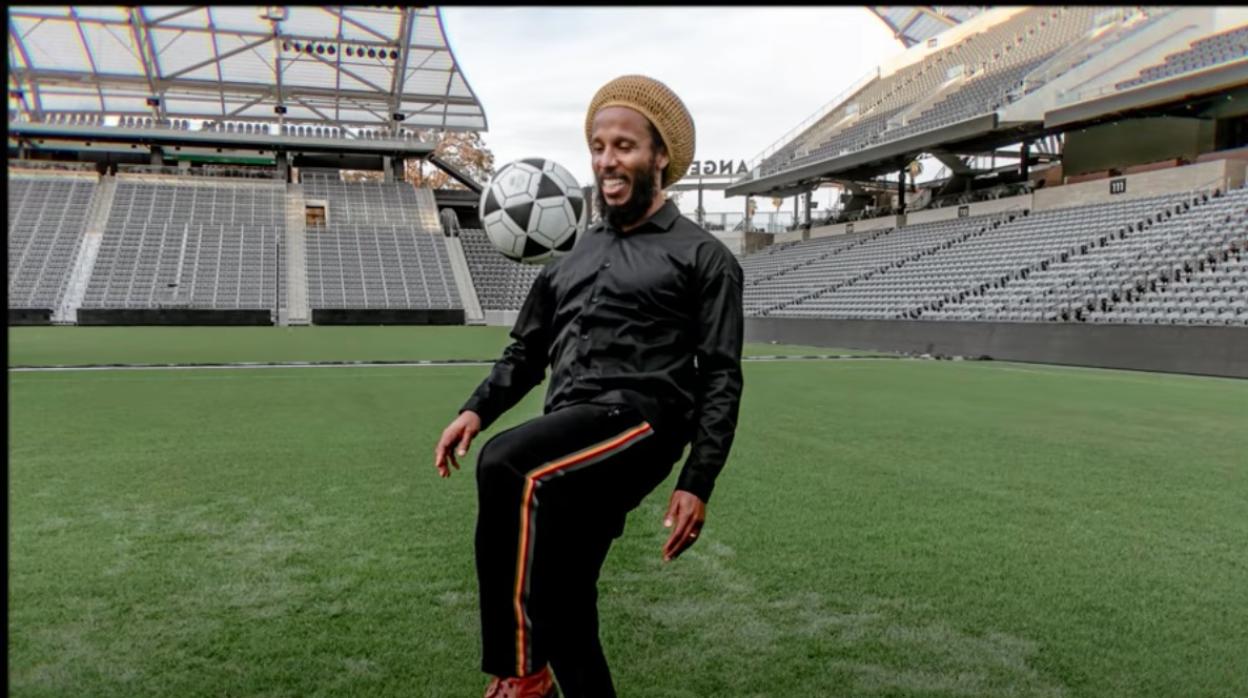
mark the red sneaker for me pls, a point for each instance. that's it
(539, 685)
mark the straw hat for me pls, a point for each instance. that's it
(662, 107)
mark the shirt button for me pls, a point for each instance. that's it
(606, 265)
(593, 299)
(584, 335)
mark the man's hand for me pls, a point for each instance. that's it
(685, 516)
(457, 435)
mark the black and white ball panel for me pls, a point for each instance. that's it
(532, 210)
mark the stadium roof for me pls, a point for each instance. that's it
(343, 65)
(915, 24)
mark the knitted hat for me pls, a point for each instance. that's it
(662, 107)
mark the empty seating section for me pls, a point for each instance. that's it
(1181, 258)
(999, 254)
(1193, 269)
(1209, 51)
(378, 266)
(367, 203)
(795, 270)
(501, 284)
(191, 245)
(834, 287)
(47, 218)
(382, 247)
(1131, 248)
(931, 93)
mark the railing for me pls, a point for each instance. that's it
(815, 117)
(762, 221)
(52, 165)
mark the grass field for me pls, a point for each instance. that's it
(884, 528)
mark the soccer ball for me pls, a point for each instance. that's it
(532, 210)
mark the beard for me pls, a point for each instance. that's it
(638, 202)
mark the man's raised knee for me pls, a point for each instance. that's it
(494, 463)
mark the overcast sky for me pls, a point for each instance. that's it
(748, 75)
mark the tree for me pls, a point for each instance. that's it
(363, 176)
(465, 150)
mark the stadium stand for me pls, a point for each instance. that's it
(1187, 271)
(1210, 51)
(380, 248)
(47, 218)
(1123, 260)
(972, 77)
(378, 266)
(833, 286)
(501, 284)
(1175, 258)
(370, 203)
(192, 243)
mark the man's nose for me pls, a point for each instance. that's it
(607, 158)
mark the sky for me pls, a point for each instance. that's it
(747, 74)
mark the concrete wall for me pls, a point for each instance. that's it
(1212, 351)
(791, 236)
(933, 215)
(501, 318)
(857, 227)
(1136, 141)
(1204, 175)
(1009, 203)
(752, 242)
(30, 316)
(173, 316)
(386, 316)
(946, 213)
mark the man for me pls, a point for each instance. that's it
(642, 325)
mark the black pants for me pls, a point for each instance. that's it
(553, 494)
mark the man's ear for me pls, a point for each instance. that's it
(662, 160)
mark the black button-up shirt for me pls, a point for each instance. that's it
(650, 318)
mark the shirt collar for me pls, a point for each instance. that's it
(662, 220)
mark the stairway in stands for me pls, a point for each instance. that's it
(296, 311)
(88, 251)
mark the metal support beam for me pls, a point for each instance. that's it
(234, 89)
(147, 56)
(808, 222)
(406, 23)
(701, 212)
(28, 85)
(217, 58)
(86, 50)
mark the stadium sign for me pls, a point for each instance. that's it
(720, 168)
(1118, 186)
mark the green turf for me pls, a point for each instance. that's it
(893, 528)
(72, 346)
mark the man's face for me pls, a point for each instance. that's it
(626, 166)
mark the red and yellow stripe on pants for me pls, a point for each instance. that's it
(528, 523)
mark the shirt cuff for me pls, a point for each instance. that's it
(696, 484)
(475, 405)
